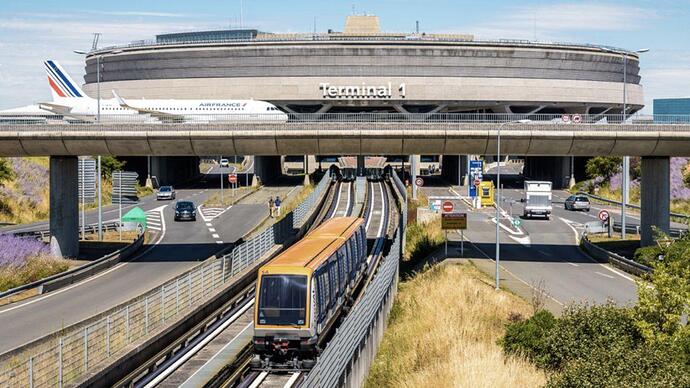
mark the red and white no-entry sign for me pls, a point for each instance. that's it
(477, 182)
(232, 178)
(565, 118)
(604, 215)
(448, 207)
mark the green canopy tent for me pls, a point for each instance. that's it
(133, 218)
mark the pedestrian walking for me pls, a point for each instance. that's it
(278, 202)
(271, 204)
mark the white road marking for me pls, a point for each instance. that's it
(604, 275)
(523, 240)
(209, 224)
(218, 242)
(215, 235)
(91, 278)
(212, 230)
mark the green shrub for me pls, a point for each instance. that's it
(686, 175)
(110, 164)
(647, 255)
(603, 166)
(649, 365)
(529, 338)
(583, 329)
(6, 172)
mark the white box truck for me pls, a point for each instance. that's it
(537, 199)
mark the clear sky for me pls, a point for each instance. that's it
(31, 31)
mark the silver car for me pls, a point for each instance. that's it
(577, 202)
(165, 192)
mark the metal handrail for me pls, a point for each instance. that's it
(198, 119)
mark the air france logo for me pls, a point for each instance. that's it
(222, 104)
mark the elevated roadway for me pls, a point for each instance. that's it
(181, 246)
(344, 137)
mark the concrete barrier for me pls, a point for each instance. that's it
(614, 259)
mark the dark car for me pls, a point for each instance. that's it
(577, 202)
(185, 210)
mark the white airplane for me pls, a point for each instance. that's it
(71, 102)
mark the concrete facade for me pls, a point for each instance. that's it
(64, 206)
(655, 197)
(422, 74)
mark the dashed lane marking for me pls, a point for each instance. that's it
(604, 275)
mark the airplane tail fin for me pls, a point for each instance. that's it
(61, 84)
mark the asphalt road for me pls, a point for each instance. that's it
(544, 254)
(181, 246)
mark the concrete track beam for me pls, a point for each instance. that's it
(64, 206)
(655, 196)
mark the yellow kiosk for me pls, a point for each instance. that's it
(486, 193)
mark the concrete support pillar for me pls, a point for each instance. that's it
(64, 206)
(267, 169)
(655, 191)
(454, 169)
(360, 165)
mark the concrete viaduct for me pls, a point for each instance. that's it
(63, 142)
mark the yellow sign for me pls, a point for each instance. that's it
(486, 193)
(453, 221)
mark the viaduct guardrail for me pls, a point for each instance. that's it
(200, 116)
(64, 357)
(614, 259)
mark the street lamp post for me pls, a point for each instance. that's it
(625, 184)
(497, 202)
(98, 119)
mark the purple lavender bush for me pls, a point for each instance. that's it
(25, 260)
(15, 251)
(678, 188)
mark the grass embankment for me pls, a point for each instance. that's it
(35, 268)
(291, 204)
(422, 239)
(677, 205)
(443, 331)
(229, 198)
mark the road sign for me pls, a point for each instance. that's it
(577, 119)
(476, 170)
(477, 182)
(232, 178)
(419, 181)
(453, 221)
(565, 118)
(448, 207)
(516, 222)
(604, 215)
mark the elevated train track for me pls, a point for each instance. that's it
(217, 352)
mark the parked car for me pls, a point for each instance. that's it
(185, 210)
(224, 163)
(577, 202)
(165, 192)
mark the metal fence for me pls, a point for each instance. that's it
(63, 359)
(202, 120)
(349, 354)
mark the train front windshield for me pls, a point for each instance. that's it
(283, 300)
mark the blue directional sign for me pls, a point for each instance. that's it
(476, 169)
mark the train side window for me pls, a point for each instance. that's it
(342, 268)
(333, 281)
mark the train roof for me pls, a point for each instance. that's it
(316, 247)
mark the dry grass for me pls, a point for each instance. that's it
(214, 200)
(443, 332)
(34, 269)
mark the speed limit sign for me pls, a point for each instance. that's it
(604, 215)
(419, 182)
(232, 178)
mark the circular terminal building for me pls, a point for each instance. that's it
(364, 70)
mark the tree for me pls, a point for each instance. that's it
(110, 164)
(6, 172)
(603, 166)
(686, 175)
